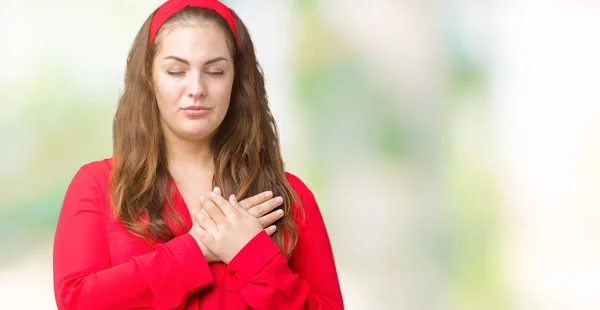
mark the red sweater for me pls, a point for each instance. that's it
(100, 265)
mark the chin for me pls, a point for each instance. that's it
(196, 134)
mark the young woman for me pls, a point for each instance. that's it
(159, 225)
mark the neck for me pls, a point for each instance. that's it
(189, 156)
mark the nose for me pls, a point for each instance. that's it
(196, 87)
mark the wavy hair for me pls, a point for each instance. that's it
(246, 148)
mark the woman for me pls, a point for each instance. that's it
(158, 226)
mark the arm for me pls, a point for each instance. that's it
(84, 277)
(266, 281)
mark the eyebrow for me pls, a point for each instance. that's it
(220, 58)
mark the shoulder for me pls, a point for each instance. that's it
(88, 188)
(98, 166)
(305, 194)
(298, 185)
(94, 173)
(98, 169)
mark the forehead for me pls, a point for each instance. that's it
(194, 42)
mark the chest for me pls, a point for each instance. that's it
(123, 246)
(189, 188)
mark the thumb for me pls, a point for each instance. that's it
(234, 202)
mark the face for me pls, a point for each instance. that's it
(192, 75)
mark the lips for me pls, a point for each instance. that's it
(195, 108)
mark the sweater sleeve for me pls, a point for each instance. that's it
(267, 280)
(84, 277)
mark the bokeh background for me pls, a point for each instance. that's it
(454, 146)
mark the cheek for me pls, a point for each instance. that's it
(166, 92)
(222, 93)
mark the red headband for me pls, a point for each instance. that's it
(173, 6)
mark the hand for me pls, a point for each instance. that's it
(208, 255)
(227, 228)
(260, 206)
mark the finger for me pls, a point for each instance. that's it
(266, 207)
(226, 206)
(212, 209)
(270, 218)
(204, 211)
(199, 209)
(235, 203)
(271, 230)
(217, 190)
(205, 222)
(203, 235)
(256, 199)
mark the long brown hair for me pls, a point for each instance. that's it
(247, 156)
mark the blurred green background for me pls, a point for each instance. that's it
(453, 146)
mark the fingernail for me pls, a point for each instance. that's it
(279, 212)
(279, 199)
(216, 189)
(201, 198)
(272, 228)
(193, 211)
(269, 194)
(212, 194)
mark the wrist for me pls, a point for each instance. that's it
(208, 255)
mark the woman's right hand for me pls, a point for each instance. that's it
(208, 255)
(260, 206)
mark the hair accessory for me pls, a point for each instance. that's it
(169, 8)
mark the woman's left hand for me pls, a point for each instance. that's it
(227, 228)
